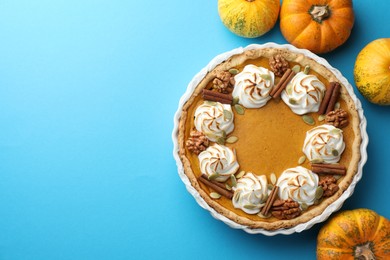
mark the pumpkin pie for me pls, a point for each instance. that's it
(269, 137)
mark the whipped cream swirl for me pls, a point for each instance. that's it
(253, 86)
(211, 120)
(298, 184)
(251, 193)
(304, 93)
(220, 160)
(324, 143)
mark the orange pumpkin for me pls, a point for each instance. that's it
(317, 25)
(355, 234)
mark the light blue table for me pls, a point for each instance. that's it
(88, 90)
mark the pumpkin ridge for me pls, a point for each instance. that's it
(379, 244)
(337, 4)
(248, 24)
(238, 19)
(276, 13)
(344, 24)
(260, 5)
(330, 253)
(256, 21)
(341, 18)
(338, 249)
(342, 234)
(317, 36)
(377, 229)
(294, 7)
(236, 9)
(336, 10)
(327, 25)
(297, 36)
(379, 51)
(323, 33)
(302, 14)
(358, 221)
(296, 12)
(285, 12)
(376, 225)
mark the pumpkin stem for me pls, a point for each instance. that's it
(364, 252)
(319, 12)
(250, 0)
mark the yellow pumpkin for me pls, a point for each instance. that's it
(372, 71)
(249, 18)
(355, 234)
(317, 25)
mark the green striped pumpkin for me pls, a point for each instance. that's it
(372, 71)
(249, 18)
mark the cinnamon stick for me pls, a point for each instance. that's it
(284, 78)
(325, 101)
(328, 169)
(271, 199)
(328, 165)
(222, 191)
(216, 96)
(334, 97)
(284, 85)
(212, 181)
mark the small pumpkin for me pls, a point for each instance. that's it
(372, 71)
(317, 25)
(249, 18)
(355, 234)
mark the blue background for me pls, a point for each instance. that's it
(88, 90)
